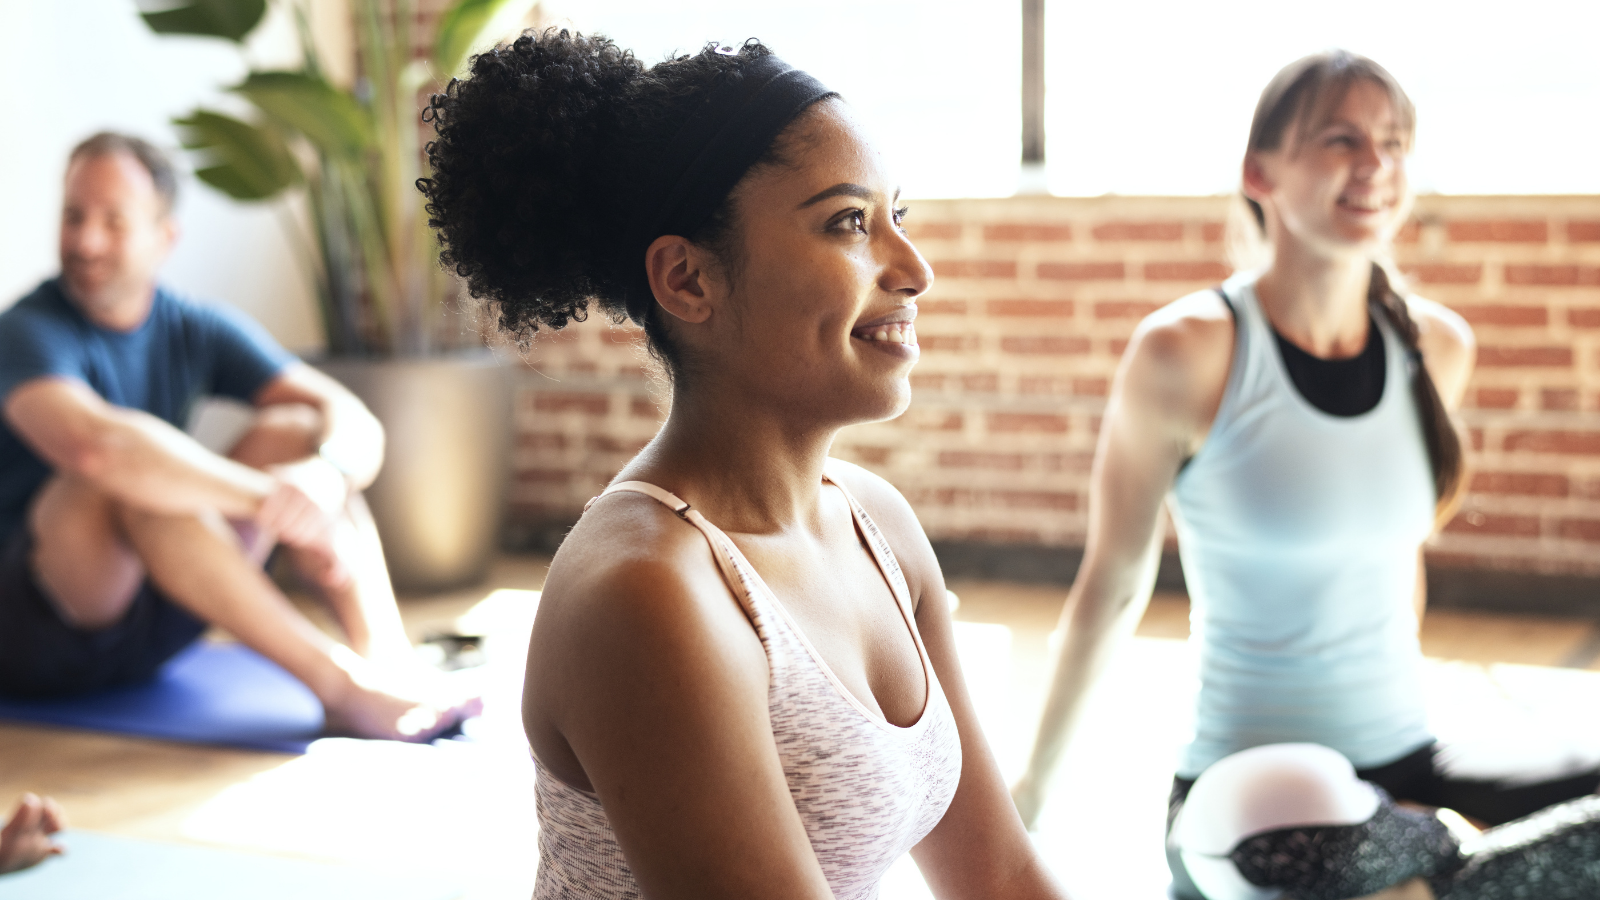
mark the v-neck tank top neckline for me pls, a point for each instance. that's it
(882, 556)
(866, 790)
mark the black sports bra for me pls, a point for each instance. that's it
(1338, 387)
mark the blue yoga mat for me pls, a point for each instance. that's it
(103, 867)
(209, 694)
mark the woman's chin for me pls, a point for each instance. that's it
(896, 399)
(878, 401)
(1367, 231)
(1350, 238)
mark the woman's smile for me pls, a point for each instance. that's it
(895, 333)
(1366, 204)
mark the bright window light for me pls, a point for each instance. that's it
(937, 81)
(1155, 97)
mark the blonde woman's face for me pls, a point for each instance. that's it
(1340, 183)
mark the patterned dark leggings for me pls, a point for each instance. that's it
(1545, 843)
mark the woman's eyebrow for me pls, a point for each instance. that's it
(843, 189)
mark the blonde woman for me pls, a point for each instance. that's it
(1296, 422)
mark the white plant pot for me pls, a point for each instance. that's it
(440, 499)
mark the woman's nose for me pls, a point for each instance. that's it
(1372, 157)
(907, 272)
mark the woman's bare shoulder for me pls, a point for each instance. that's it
(889, 508)
(879, 497)
(1180, 334)
(615, 537)
(1449, 348)
(893, 514)
(633, 602)
(1441, 324)
(1175, 369)
(631, 547)
(631, 570)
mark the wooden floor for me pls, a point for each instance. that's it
(468, 809)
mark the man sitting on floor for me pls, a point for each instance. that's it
(121, 538)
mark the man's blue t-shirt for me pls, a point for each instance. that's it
(183, 351)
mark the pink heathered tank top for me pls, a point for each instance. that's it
(866, 789)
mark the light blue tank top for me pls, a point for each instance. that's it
(1299, 533)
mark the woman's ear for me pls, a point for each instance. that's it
(1257, 182)
(680, 278)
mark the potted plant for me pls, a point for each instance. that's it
(354, 154)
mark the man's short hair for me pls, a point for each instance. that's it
(157, 163)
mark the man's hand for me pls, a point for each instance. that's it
(303, 511)
(306, 499)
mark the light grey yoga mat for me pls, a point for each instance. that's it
(105, 867)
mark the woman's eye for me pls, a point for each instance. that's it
(854, 220)
(900, 217)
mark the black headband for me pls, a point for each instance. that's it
(732, 129)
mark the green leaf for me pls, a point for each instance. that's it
(330, 118)
(470, 24)
(230, 19)
(232, 182)
(247, 162)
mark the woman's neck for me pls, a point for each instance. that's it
(749, 471)
(1317, 300)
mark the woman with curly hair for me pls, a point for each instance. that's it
(742, 680)
(1295, 420)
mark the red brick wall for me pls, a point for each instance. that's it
(1033, 306)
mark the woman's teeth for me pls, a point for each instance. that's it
(1363, 205)
(896, 333)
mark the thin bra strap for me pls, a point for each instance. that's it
(881, 551)
(720, 545)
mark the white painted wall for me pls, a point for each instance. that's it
(72, 67)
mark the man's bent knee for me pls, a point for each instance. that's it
(281, 433)
(80, 558)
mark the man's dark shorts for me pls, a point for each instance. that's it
(41, 655)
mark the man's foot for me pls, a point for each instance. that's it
(25, 840)
(411, 703)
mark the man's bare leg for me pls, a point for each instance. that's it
(357, 587)
(25, 839)
(91, 555)
(351, 577)
(200, 566)
(79, 555)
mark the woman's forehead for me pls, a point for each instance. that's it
(829, 145)
(1357, 101)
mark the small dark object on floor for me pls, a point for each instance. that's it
(452, 652)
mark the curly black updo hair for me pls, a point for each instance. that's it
(539, 156)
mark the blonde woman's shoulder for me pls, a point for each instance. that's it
(1448, 346)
